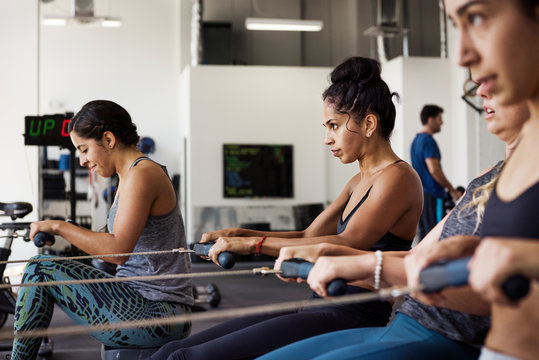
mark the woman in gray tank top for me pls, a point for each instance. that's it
(144, 216)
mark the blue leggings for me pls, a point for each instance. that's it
(249, 337)
(403, 339)
(89, 304)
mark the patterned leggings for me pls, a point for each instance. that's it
(90, 304)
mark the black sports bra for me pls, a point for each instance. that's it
(341, 226)
(515, 218)
(388, 242)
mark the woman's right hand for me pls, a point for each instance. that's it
(47, 226)
(306, 252)
(214, 235)
(236, 245)
(448, 249)
(496, 259)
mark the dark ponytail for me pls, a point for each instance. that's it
(99, 116)
(358, 90)
(528, 7)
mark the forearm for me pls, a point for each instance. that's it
(528, 258)
(240, 232)
(440, 178)
(343, 250)
(92, 242)
(392, 274)
(272, 245)
(328, 249)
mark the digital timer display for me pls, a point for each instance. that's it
(47, 130)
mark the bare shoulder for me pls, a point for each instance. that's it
(147, 174)
(400, 173)
(398, 180)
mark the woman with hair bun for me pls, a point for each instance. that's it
(143, 217)
(424, 327)
(378, 209)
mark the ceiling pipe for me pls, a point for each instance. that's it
(443, 30)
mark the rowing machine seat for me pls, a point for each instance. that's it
(109, 353)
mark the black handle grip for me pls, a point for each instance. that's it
(455, 273)
(300, 268)
(42, 238)
(226, 259)
(516, 287)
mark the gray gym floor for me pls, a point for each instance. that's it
(236, 292)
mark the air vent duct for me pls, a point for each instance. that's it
(82, 12)
(388, 20)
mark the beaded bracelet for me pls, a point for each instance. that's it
(378, 269)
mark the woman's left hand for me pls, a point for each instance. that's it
(47, 226)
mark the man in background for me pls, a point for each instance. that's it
(426, 158)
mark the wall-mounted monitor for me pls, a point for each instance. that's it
(258, 171)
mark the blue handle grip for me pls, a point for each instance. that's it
(301, 268)
(226, 259)
(42, 238)
(455, 273)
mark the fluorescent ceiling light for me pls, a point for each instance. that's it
(283, 24)
(111, 22)
(56, 20)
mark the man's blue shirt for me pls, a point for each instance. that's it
(423, 147)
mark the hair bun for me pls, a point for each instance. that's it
(358, 89)
(357, 70)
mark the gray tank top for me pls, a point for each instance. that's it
(164, 232)
(470, 329)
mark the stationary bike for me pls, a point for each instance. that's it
(16, 210)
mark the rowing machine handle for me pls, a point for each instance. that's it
(226, 259)
(301, 268)
(42, 238)
(455, 273)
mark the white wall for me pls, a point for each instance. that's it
(254, 105)
(18, 97)
(427, 81)
(136, 65)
